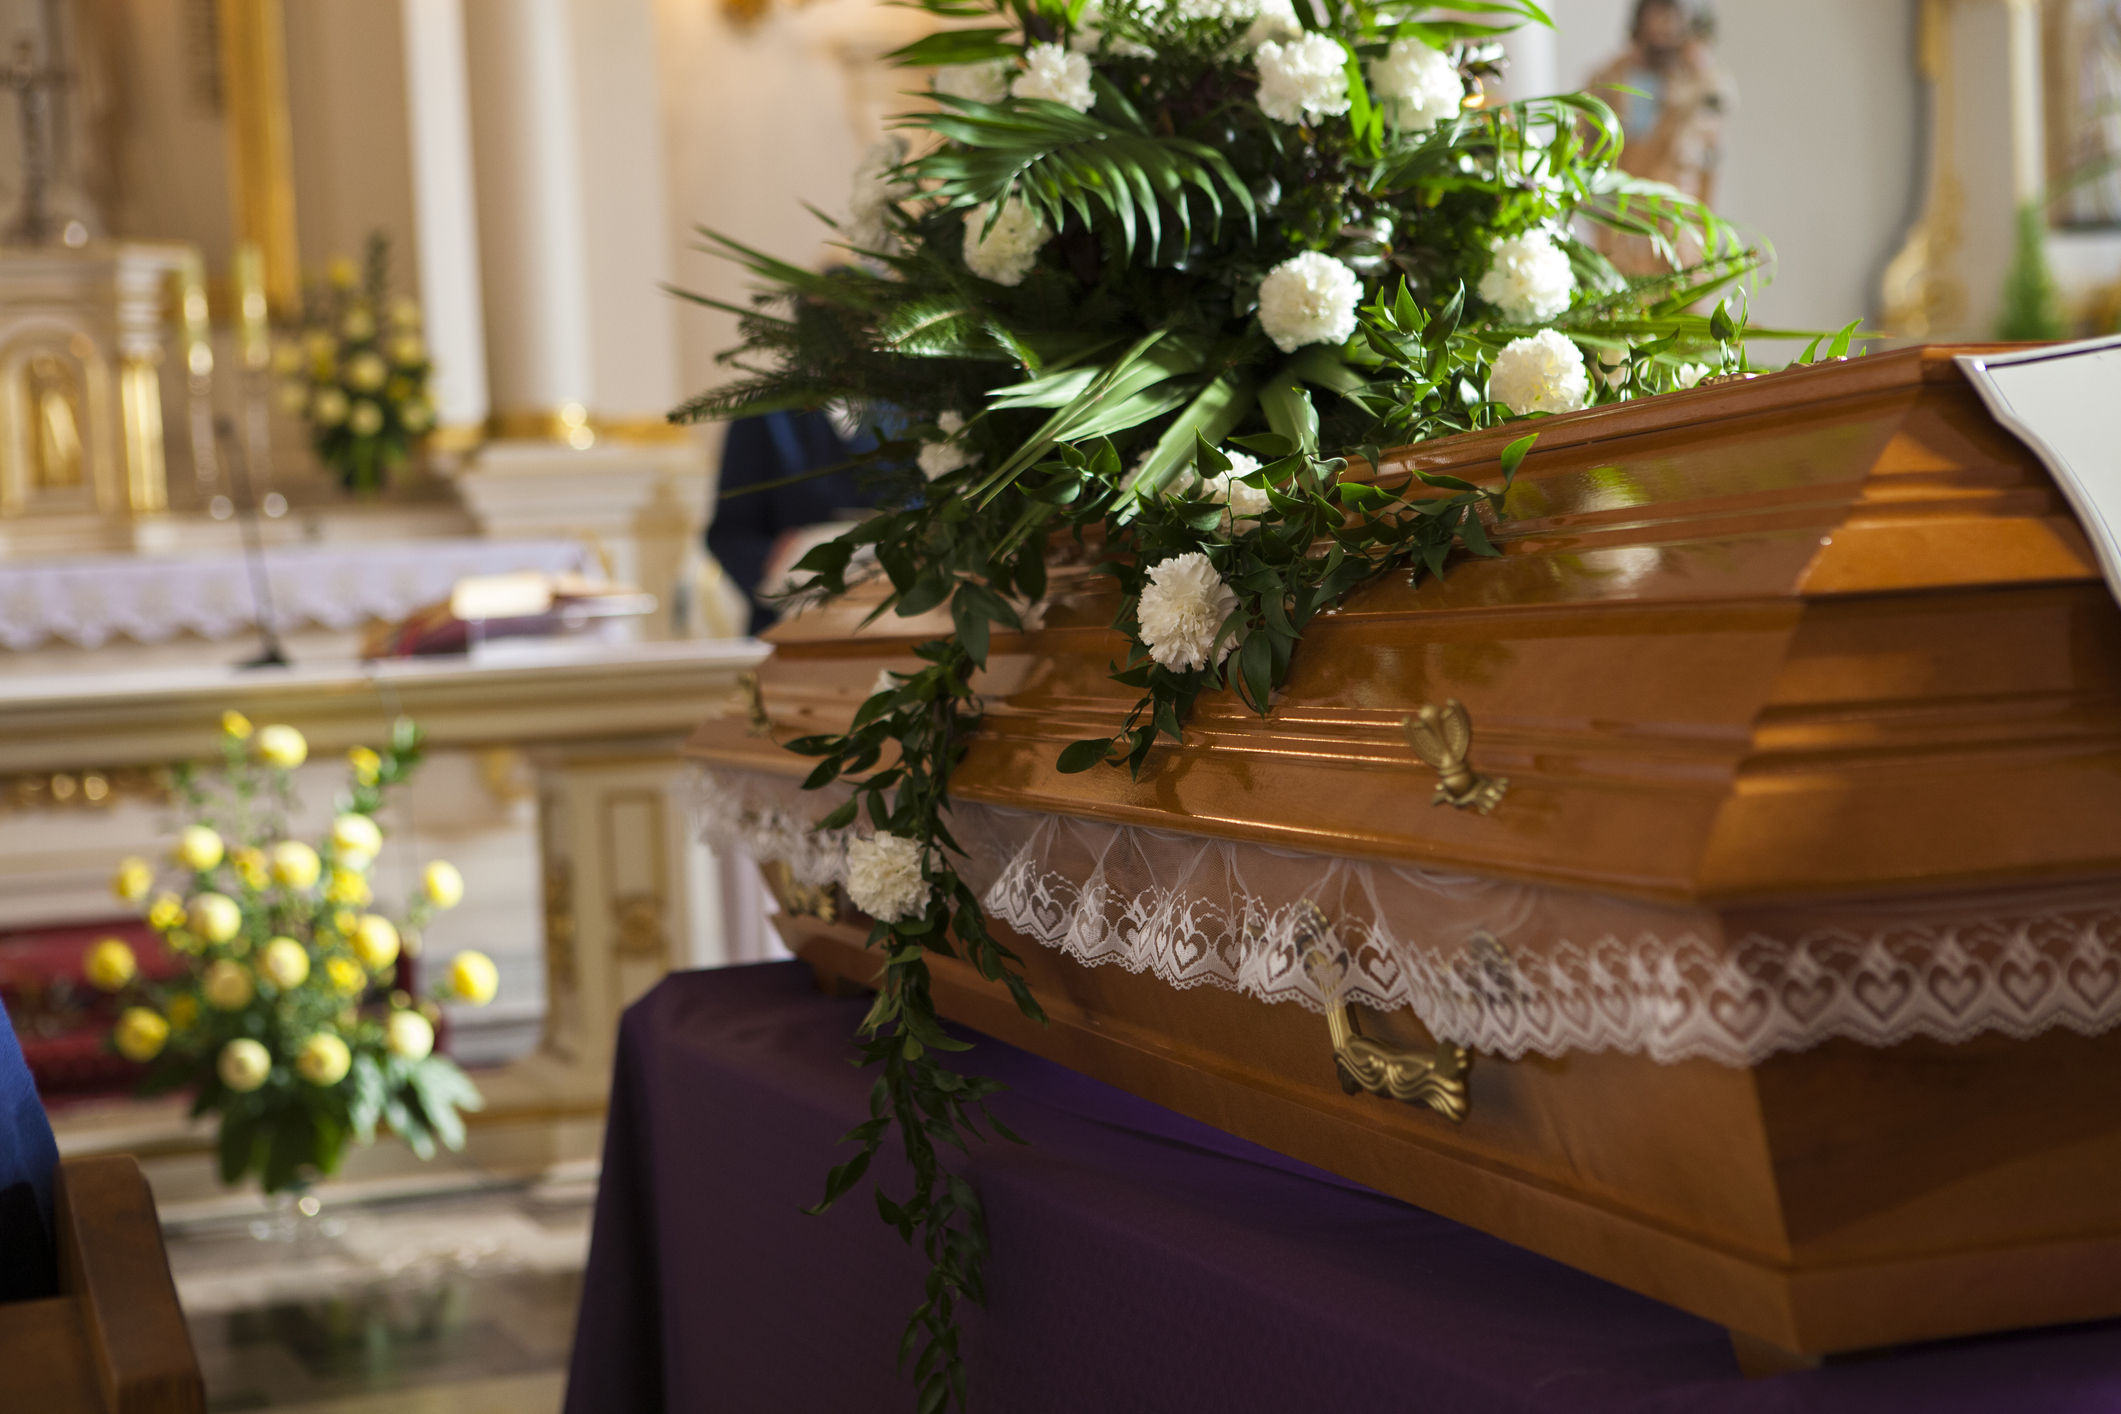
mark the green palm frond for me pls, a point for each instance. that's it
(1662, 214)
(1057, 160)
(943, 326)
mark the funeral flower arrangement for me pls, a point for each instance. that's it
(358, 372)
(283, 1018)
(1162, 277)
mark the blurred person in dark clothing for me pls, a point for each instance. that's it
(757, 537)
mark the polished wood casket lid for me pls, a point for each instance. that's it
(1823, 633)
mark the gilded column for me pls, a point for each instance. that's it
(260, 153)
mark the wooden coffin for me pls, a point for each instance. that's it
(1818, 661)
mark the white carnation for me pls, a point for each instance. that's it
(984, 82)
(1246, 503)
(884, 877)
(1309, 299)
(1006, 253)
(1182, 608)
(875, 194)
(1276, 23)
(1054, 74)
(1418, 86)
(1529, 279)
(1543, 373)
(939, 459)
(1303, 79)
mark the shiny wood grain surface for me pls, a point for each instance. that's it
(1829, 631)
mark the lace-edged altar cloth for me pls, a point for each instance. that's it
(1498, 966)
(149, 599)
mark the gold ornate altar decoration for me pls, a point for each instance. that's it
(81, 348)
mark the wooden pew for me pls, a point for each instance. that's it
(113, 1341)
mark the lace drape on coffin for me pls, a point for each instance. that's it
(1503, 967)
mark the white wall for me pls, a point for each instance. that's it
(757, 122)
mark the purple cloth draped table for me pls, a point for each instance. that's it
(1140, 1262)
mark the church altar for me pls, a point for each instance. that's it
(89, 602)
(584, 737)
(1142, 1261)
(1766, 965)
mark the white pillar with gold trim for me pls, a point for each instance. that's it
(580, 336)
(438, 97)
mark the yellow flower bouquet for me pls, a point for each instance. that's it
(286, 1019)
(358, 374)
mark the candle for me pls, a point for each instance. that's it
(254, 336)
(192, 314)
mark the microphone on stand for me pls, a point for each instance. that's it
(274, 655)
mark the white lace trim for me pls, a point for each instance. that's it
(1502, 967)
(88, 602)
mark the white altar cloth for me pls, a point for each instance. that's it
(88, 602)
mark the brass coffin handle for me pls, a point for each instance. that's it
(754, 694)
(1443, 737)
(1434, 1080)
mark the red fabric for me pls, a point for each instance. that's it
(60, 1019)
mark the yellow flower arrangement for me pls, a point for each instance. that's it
(365, 763)
(166, 914)
(140, 1034)
(346, 976)
(134, 880)
(295, 864)
(474, 978)
(250, 867)
(276, 1016)
(199, 848)
(110, 965)
(363, 387)
(283, 747)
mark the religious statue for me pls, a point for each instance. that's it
(1672, 99)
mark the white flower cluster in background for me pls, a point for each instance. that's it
(1543, 373)
(984, 82)
(1054, 74)
(1530, 279)
(1089, 32)
(884, 877)
(1246, 503)
(1418, 86)
(1234, 11)
(1309, 299)
(1182, 609)
(874, 195)
(1689, 374)
(1275, 24)
(1006, 253)
(939, 459)
(1303, 80)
